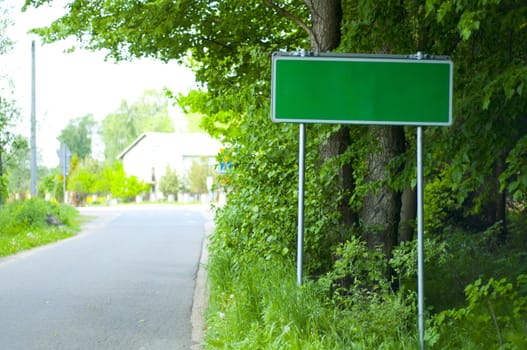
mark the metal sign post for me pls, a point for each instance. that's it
(420, 242)
(33, 160)
(301, 177)
(64, 159)
(368, 90)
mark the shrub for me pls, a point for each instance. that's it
(495, 317)
(24, 225)
(169, 183)
(33, 213)
(30, 213)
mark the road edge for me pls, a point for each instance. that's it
(201, 290)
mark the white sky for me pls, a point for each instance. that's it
(75, 84)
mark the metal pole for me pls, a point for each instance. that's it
(301, 173)
(33, 164)
(65, 172)
(64, 188)
(420, 242)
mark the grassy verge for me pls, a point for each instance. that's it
(33, 223)
(475, 294)
(257, 305)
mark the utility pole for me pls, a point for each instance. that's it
(33, 165)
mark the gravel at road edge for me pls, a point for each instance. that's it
(201, 291)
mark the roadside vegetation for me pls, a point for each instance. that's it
(35, 222)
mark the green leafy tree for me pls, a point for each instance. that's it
(148, 114)
(84, 177)
(481, 155)
(77, 135)
(134, 187)
(197, 176)
(8, 115)
(47, 183)
(9, 112)
(17, 165)
(117, 180)
(110, 179)
(170, 183)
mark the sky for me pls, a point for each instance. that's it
(71, 85)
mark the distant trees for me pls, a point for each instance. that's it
(17, 165)
(77, 135)
(9, 112)
(197, 176)
(118, 130)
(85, 177)
(148, 114)
(170, 182)
(91, 177)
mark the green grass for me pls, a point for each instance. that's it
(477, 298)
(23, 225)
(13, 244)
(257, 305)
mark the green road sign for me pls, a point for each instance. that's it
(385, 90)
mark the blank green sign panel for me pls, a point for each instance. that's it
(348, 90)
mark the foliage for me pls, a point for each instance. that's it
(113, 180)
(197, 176)
(58, 190)
(9, 112)
(148, 114)
(494, 317)
(258, 305)
(77, 135)
(93, 177)
(358, 270)
(24, 225)
(490, 104)
(169, 183)
(133, 187)
(33, 214)
(47, 183)
(514, 179)
(32, 239)
(16, 162)
(84, 177)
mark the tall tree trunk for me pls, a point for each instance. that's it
(326, 17)
(380, 212)
(408, 214)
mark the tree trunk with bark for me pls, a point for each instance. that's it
(380, 212)
(326, 17)
(408, 214)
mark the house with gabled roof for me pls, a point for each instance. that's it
(148, 156)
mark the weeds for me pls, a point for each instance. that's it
(25, 225)
(259, 306)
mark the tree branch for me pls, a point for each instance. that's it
(289, 15)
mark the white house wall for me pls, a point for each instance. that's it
(157, 150)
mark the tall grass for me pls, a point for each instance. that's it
(476, 299)
(24, 225)
(257, 305)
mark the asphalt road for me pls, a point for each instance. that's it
(125, 282)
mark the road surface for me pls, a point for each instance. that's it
(125, 282)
